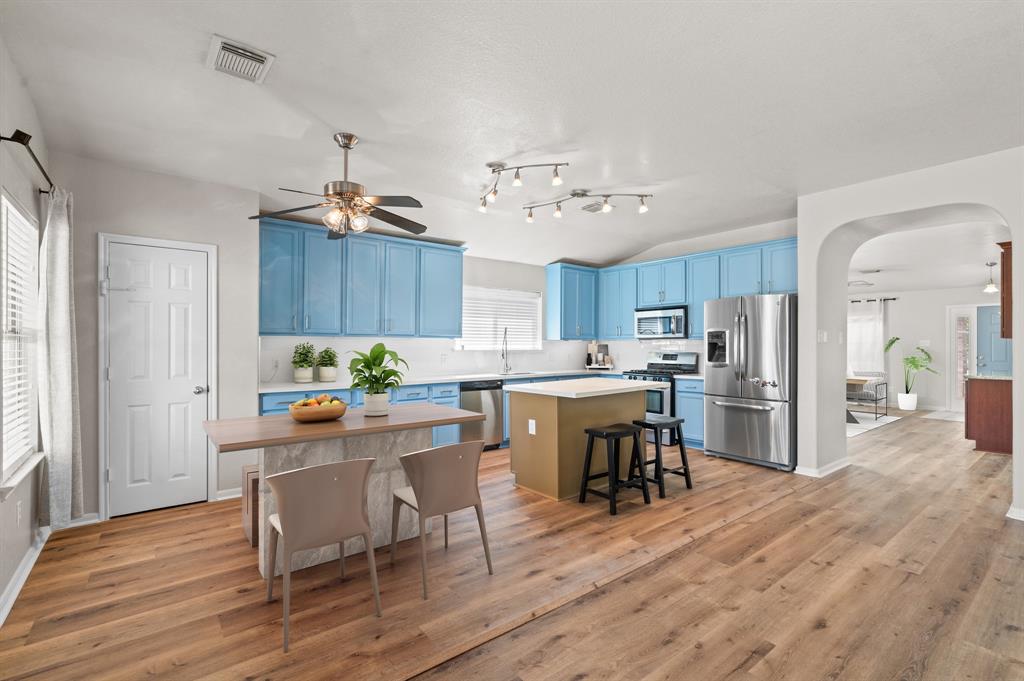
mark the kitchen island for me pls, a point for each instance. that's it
(286, 445)
(546, 424)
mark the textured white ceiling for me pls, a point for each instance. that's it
(926, 259)
(725, 111)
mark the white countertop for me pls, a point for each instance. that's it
(316, 386)
(587, 387)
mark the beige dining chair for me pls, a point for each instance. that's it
(444, 479)
(319, 506)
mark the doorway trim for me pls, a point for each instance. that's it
(103, 241)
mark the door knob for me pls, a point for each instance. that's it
(198, 390)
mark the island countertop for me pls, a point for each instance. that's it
(587, 387)
(254, 432)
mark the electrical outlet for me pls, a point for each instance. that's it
(19, 512)
(822, 336)
(531, 426)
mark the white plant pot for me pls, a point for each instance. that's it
(907, 401)
(303, 374)
(327, 374)
(376, 404)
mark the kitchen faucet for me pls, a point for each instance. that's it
(506, 366)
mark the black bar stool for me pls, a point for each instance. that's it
(674, 426)
(612, 435)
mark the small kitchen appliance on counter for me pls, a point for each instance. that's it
(662, 367)
(598, 357)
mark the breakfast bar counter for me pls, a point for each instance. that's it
(286, 445)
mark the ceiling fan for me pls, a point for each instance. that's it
(350, 207)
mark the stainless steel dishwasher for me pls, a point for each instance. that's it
(487, 398)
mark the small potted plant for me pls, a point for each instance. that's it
(375, 372)
(303, 361)
(913, 364)
(327, 365)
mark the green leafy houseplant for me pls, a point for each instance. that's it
(327, 358)
(304, 356)
(375, 372)
(913, 364)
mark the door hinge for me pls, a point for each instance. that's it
(104, 283)
(106, 373)
(106, 475)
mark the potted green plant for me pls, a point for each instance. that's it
(303, 361)
(913, 364)
(375, 372)
(327, 365)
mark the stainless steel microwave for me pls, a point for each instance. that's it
(664, 323)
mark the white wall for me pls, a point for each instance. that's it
(120, 200)
(919, 318)
(780, 229)
(20, 179)
(834, 223)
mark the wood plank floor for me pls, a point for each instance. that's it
(901, 566)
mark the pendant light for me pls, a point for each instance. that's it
(990, 287)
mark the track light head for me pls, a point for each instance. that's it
(605, 206)
(492, 195)
(558, 209)
(483, 205)
(517, 181)
(529, 216)
(556, 179)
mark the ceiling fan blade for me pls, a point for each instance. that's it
(299, 191)
(399, 201)
(288, 210)
(398, 221)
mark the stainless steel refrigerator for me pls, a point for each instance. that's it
(750, 379)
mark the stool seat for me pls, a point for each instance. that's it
(614, 430)
(655, 421)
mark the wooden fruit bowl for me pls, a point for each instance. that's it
(314, 414)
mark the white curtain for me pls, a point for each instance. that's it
(58, 367)
(865, 336)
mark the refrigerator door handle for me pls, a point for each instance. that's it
(734, 347)
(749, 407)
(743, 347)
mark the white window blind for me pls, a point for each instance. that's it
(20, 256)
(487, 312)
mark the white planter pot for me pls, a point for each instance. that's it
(376, 404)
(303, 374)
(327, 374)
(907, 402)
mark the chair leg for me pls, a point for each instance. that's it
(686, 461)
(396, 508)
(341, 557)
(640, 462)
(446, 530)
(287, 588)
(659, 469)
(483, 535)
(423, 553)
(586, 468)
(612, 446)
(371, 562)
(271, 560)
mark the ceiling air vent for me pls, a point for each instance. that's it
(594, 207)
(238, 59)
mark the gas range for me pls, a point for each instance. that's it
(663, 366)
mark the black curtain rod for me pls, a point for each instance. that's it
(21, 137)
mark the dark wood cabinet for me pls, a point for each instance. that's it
(989, 414)
(1006, 289)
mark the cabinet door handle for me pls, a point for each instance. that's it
(294, 326)
(305, 322)
(769, 286)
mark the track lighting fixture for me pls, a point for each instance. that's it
(604, 206)
(497, 168)
(483, 205)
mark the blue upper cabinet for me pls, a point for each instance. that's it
(741, 272)
(280, 279)
(779, 264)
(703, 284)
(401, 261)
(571, 306)
(321, 283)
(662, 283)
(617, 299)
(440, 293)
(364, 282)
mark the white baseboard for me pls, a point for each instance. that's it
(1015, 513)
(223, 494)
(87, 519)
(20, 575)
(824, 470)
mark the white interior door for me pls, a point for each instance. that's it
(158, 377)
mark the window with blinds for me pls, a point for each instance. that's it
(20, 258)
(487, 312)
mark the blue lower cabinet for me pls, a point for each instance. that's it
(447, 435)
(411, 393)
(690, 406)
(277, 403)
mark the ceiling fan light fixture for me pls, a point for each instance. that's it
(529, 216)
(360, 223)
(605, 206)
(556, 179)
(643, 206)
(517, 181)
(558, 210)
(333, 219)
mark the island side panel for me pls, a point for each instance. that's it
(534, 458)
(386, 476)
(574, 416)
